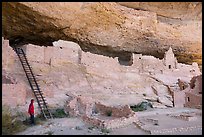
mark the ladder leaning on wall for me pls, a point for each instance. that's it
(33, 83)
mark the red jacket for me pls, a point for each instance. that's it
(31, 109)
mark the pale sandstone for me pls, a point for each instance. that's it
(109, 28)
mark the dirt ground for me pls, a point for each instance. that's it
(166, 124)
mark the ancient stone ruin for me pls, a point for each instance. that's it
(166, 82)
(101, 115)
(188, 94)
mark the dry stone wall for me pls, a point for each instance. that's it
(95, 113)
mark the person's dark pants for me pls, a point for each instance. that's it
(32, 118)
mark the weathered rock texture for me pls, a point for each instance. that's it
(65, 69)
(100, 115)
(13, 91)
(109, 28)
(175, 10)
(190, 94)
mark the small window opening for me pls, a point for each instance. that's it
(183, 87)
(60, 47)
(126, 60)
(188, 99)
(169, 66)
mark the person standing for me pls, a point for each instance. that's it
(31, 111)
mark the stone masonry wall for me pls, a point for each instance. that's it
(193, 100)
(60, 54)
(69, 52)
(170, 61)
(99, 64)
(116, 111)
(65, 52)
(85, 107)
(35, 53)
(179, 98)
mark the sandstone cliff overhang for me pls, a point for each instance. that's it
(107, 28)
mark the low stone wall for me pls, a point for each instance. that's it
(120, 122)
(115, 111)
(186, 117)
(93, 120)
(95, 113)
(174, 130)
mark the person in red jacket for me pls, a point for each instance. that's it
(31, 111)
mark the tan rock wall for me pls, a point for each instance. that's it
(108, 27)
(13, 94)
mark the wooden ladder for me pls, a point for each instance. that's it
(33, 83)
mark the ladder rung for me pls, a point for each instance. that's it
(39, 95)
(43, 107)
(36, 90)
(42, 103)
(41, 100)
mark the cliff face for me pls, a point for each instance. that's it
(109, 28)
(175, 10)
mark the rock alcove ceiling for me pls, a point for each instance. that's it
(109, 28)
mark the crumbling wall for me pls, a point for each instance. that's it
(80, 106)
(71, 108)
(193, 100)
(95, 113)
(186, 117)
(189, 95)
(151, 64)
(115, 111)
(120, 122)
(182, 84)
(189, 70)
(8, 55)
(196, 84)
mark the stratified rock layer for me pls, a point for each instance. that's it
(109, 28)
